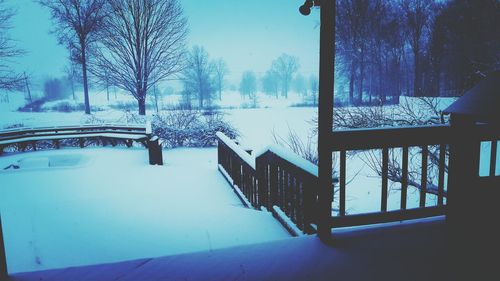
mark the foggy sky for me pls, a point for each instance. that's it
(248, 35)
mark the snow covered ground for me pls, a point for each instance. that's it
(74, 207)
(136, 212)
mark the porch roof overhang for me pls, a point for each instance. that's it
(481, 102)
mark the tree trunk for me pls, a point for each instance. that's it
(142, 105)
(417, 74)
(361, 78)
(200, 101)
(351, 86)
(85, 82)
(27, 88)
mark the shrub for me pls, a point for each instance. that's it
(34, 106)
(66, 106)
(191, 128)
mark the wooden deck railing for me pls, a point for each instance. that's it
(275, 178)
(29, 137)
(50, 137)
(272, 178)
(388, 139)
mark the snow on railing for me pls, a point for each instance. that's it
(274, 176)
(33, 138)
(237, 149)
(291, 157)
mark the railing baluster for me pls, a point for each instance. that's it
(286, 191)
(385, 171)
(273, 184)
(293, 196)
(404, 180)
(342, 172)
(493, 158)
(442, 158)
(300, 203)
(423, 182)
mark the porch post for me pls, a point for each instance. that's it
(3, 258)
(325, 116)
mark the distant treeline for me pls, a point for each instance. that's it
(414, 47)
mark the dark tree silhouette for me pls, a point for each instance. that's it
(143, 43)
(9, 80)
(77, 26)
(465, 44)
(418, 16)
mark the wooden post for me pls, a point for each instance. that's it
(3, 257)
(325, 116)
(342, 173)
(385, 177)
(155, 151)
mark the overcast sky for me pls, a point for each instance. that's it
(247, 34)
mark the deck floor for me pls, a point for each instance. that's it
(408, 251)
(76, 207)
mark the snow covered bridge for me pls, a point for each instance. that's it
(74, 207)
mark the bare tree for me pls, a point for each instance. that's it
(198, 76)
(143, 43)
(155, 97)
(300, 85)
(221, 70)
(9, 80)
(77, 26)
(418, 19)
(248, 86)
(314, 88)
(285, 66)
(73, 76)
(270, 83)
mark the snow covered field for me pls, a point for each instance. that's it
(74, 207)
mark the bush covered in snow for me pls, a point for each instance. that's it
(192, 128)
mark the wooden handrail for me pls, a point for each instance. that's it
(373, 138)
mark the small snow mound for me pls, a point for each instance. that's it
(41, 162)
(34, 163)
